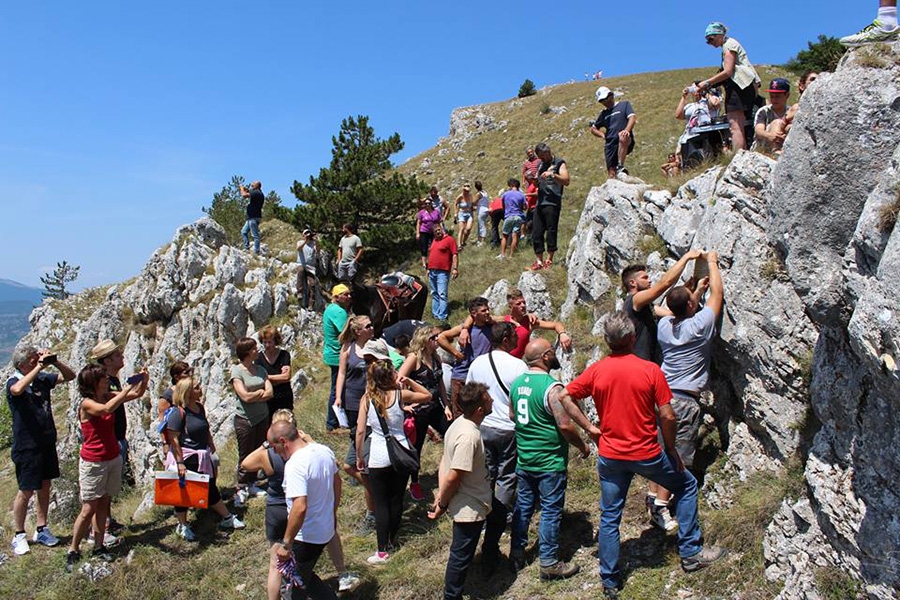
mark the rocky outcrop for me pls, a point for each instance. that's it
(806, 361)
(193, 300)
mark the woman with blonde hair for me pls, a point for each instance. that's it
(267, 460)
(465, 206)
(382, 408)
(423, 366)
(191, 447)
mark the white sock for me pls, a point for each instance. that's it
(659, 502)
(888, 17)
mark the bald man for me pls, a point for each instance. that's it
(543, 432)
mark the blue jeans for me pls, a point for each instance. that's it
(331, 420)
(251, 226)
(440, 283)
(615, 477)
(548, 489)
(462, 551)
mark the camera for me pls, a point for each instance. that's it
(48, 359)
(135, 379)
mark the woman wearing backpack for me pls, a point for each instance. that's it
(381, 409)
(190, 448)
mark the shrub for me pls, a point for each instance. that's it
(822, 55)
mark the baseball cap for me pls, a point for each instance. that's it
(378, 349)
(339, 289)
(780, 84)
(602, 93)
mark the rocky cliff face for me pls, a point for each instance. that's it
(193, 300)
(805, 364)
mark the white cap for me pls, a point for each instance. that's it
(603, 93)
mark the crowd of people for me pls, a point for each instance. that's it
(485, 387)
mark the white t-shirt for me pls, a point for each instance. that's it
(310, 472)
(378, 454)
(509, 367)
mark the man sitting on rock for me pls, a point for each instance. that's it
(685, 339)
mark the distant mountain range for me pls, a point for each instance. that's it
(16, 303)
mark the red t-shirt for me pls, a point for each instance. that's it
(625, 389)
(99, 434)
(531, 195)
(496, 203)
(440, 257)
(523, 333)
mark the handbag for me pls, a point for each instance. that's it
(403, 459)
(190, 492)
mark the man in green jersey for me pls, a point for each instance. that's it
(543, 432)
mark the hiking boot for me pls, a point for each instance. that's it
(102, 553)
(415, 491)
(702, 559)
(231, 522)
(347, 581)
(20, 544)
(517, 561)
(45, 537)
(561, 570)
(662, 518)
(367, 525)
(872, 33)
(72, 558)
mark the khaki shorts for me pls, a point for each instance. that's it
(98, 479)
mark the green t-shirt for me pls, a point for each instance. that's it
(540, 445)
(333, 320)
(255, 412)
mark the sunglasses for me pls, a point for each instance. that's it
(369, 326)
(710, 38)
(433, 337)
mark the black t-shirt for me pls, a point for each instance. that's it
(282, 396)
(32, 413)
(550, 191)
(405, 327)
(614, 120)
(254, 208)
(645, 344)
(115, 386)
(275, 487)
(193, 431)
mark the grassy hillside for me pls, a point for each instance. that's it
(154, 564)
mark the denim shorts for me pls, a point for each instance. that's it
(511, 225)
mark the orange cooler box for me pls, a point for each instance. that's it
(193, 493)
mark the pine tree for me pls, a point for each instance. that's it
(55, 282)
(361, 187)
(822, 55)
(527, 89)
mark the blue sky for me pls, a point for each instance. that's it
(119, 120)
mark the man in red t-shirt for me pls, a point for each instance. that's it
(443, 265)
(627, 393)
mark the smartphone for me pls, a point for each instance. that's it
(135, 379)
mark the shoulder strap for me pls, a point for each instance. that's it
(496, 374)
(384, 427)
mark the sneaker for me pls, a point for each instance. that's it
(109, 540)
(367, 526)
(102, 553)
(347, 581)
(379, 558)
(72, 559)
(648, 504)
(561, 570)
(45, 537)
(548, 263)
(231, 522)
(114, 526)
(662, 518)
(20, 544)
(702, 559)
(415, 491)
(185, 532)
(500, 257)
(516, 561)
(610, 593)
(871, 34)
(240, 497)
(256, 492)
(535, 266)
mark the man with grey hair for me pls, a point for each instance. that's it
(33, 439)
(627, 392)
